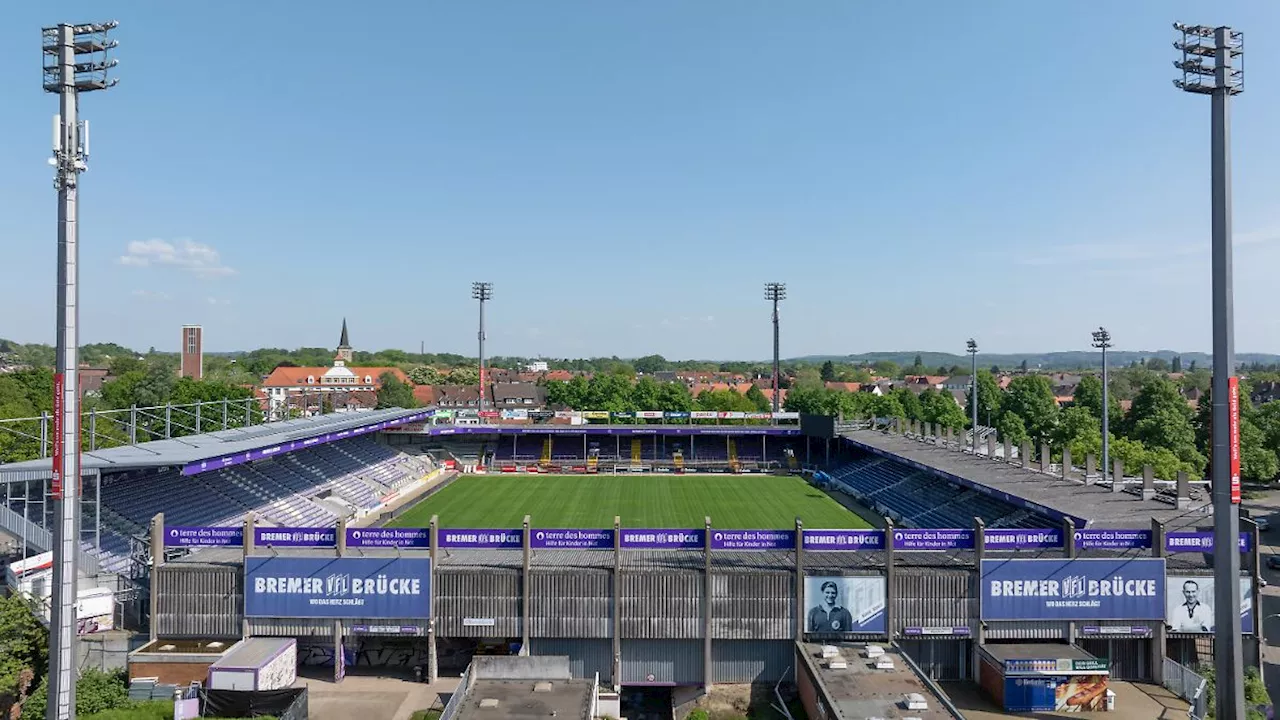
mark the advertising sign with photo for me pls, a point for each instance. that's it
(840, 604)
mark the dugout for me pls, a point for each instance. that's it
(1044, 677)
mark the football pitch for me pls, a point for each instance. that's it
(749, 502)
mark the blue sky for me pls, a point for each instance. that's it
(628, 175)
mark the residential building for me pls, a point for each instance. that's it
(537, 366)
(345, 386)
(1265, 392)
(192, 348)
(457, 396)
(957, 382)
(513, 395)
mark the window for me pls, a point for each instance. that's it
(368, 379)
(311, 379)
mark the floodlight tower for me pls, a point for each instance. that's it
(482, 291)
(75, 61)
(1102, 341)
(972, 348)
(775, 292)
(1211, 64)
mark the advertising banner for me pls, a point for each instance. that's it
(295, 537)
(622, 414)
(364, 587)
(571, 539)
(1180, 542)
(389, 537)
(1190, 604)
(786, 416)
(1233, 425)
(187, 536)
(944, 630)
(932, 540)
(753, 540)
(1112, 539)
(640, 539)
(1080, 589)
(759, 416)
(481, 539)
(704, 414)
(595, 414)
(1055, 693)
(649, 414)
(1018, 539)
(731, 415)
(59, 402)
(828, 540)
(678, 415)
(840, 604)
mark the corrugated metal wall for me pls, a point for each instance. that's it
(586, 657)
(492, 594)
(940, 659)
(294, 627)
(571, 604)
(1027, 630)
(198, 601)
(932, 599)
(661, 605)
(1130, 657)
(753, 606)
(663, 662)
(751, 661)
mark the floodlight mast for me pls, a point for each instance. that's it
(75, 61)
(482, 291)
(775, 292)
(971, 346)
(1102, 341)
(1212, 64)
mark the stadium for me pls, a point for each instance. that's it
(681, 552)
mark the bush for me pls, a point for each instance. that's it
(96, 692)
(697, 714)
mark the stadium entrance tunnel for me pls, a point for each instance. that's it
(455, 654)
(647, 702)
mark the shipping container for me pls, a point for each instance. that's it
(256, 664)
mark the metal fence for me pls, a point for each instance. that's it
(1188, 685)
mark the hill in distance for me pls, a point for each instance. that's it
(1051, 360)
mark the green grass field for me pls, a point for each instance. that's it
(755, 502)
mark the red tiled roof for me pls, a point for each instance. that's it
(845, 386)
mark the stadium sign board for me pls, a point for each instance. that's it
(753, 540)
(388, 537)
(1180, 542)
(373, 588)
(1021, 539)
(657, 539)
(1076, 589)
(561, 539)
(923, 540)
(191, 536)
(847, 540)
(295, 537)
(481, 539)
(1112, 539)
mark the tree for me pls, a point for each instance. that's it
(23, 645)
(995, 369)
(1023, 366)
(989, 398)
(650, 364)
(1176, 365)
(1088, 395)
(885, 406)
(828, 372)
(425, 375)
(96, 692)
(394, 393)
(1256, 697)
(1080, 430)
(1031, 398)
(724, 401)
(644, 394)
(1158, 364)
(465, 375)
(674, 397)
(1192, 366)
(941, 408)
(808, 400)
(761, 402)
(887, 368)
(918, 362)
(1010, 427)
(911, 407)
(1160, 418)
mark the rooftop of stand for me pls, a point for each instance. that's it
(194, 448)
(1102, 507)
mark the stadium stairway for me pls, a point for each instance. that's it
(678, 459)
(636, 451)
(734, 465)
(546, 451)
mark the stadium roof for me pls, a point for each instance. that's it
(1097, 504)
(196, 448)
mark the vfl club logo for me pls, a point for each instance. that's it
(337, 585)
(1074, 586)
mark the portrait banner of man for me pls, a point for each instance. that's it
(1190, 604)
(841, 604)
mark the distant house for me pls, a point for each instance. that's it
(92, 380)
(957, 382)
(457, 396)
(1265, 392)
(844, 386)
(923, 381)
(510, 396)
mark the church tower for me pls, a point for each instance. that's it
(344, 345)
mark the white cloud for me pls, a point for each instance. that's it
(150, 295)
(187, 255)
(218, 301)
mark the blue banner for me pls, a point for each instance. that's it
(753, 540)
(295, 537)
(364, 587)
(1021, 539)
(932, 540)
(1080, 589)
(188, 536)
(824, 540)
(1112, 539)
(1202, 541)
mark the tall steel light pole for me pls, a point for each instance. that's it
(1102, 341)
(775, 292)
(1211, 65)
(482, 291)
(972, 348)
(75, 61)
